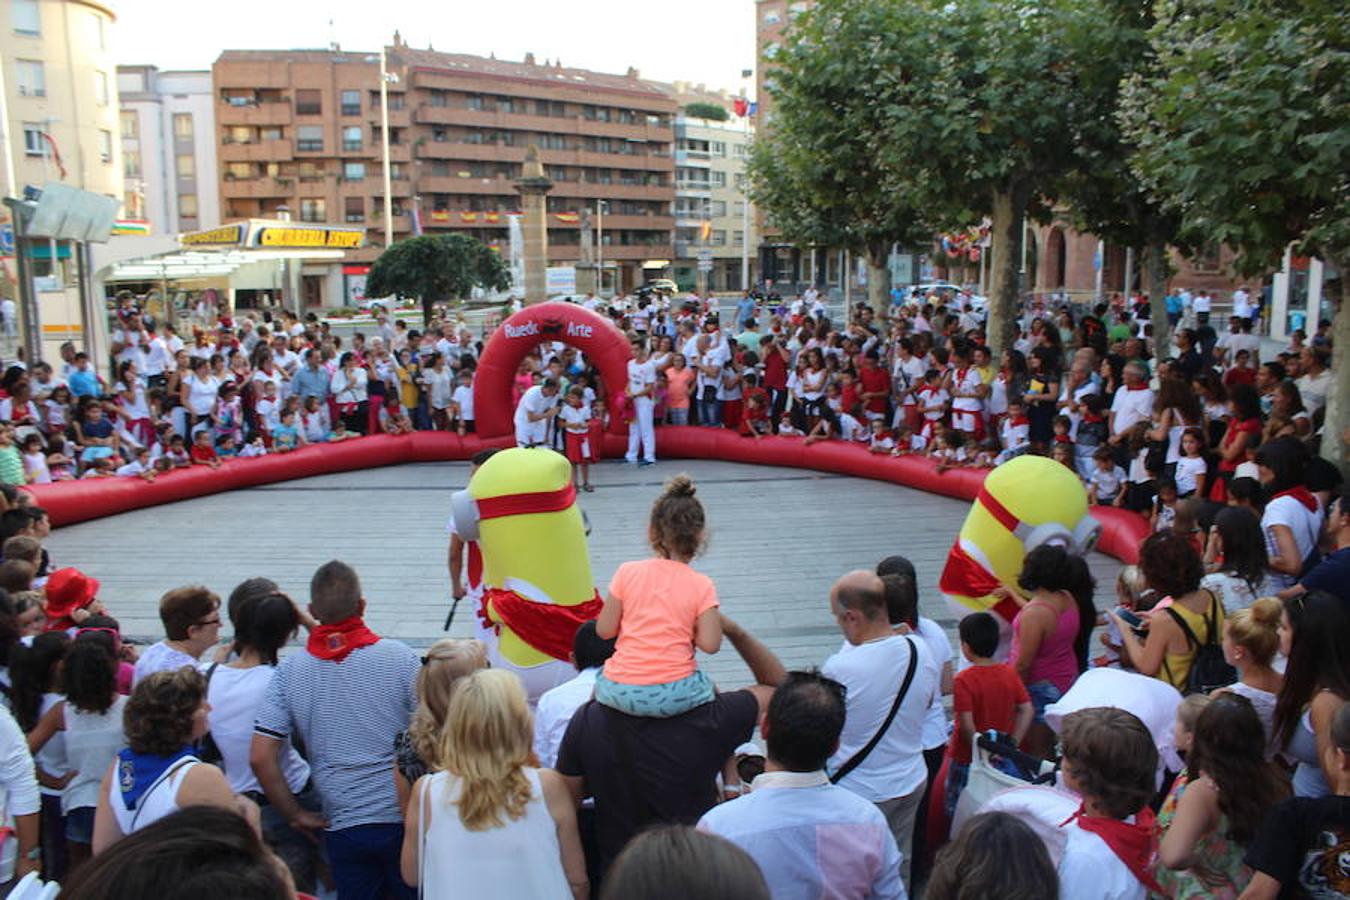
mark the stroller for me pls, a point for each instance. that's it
(996, 764)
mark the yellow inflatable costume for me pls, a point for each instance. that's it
(1024, 503)
(537, 587)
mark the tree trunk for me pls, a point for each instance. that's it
(1009, 207)
(1337, 426)
(878, 278)
(1155, 282)
(428, 304)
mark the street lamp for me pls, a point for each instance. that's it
(600, 247)
(385, 78)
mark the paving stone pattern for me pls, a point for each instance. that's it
(778, 539)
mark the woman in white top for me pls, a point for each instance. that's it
(90, 720)
(440, 382)
(1236, 538)
(490, 825)
(1175, 409)
(1292, 521)
(157, 774)
(35, 676)
(349, 392)
(199, 391)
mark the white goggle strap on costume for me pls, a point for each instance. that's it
(464, 509)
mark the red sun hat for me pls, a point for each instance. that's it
(68, 590)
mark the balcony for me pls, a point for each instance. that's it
(253, 114)
(693, 188)
(255, 188)
(257, 151)
(426, 114)
(693, 158)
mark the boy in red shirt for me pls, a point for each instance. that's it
(202, 452)
(988, 695)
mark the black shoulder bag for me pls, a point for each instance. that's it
(207, 749)
(857, 758)
(1209, 670)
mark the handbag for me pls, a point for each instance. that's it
(858, 758)
(1209, 670)
(208, 751)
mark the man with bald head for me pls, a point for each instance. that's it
(890, 681)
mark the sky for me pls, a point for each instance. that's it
(700, 41)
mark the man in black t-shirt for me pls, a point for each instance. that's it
(1303, 847)
(643, 771)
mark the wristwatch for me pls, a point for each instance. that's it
(35, 854)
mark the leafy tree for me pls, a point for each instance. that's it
(819, 171)
(711, 111)
(1243, 132)
(433, 268)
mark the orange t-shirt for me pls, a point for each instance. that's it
(661, 599)
(677, 387)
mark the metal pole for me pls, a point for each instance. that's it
(11, 188)
(600, 248)
(384, 150)
(745, 212)
(848, 283)
(32, 327)
(1101, 267)
(1129, 271)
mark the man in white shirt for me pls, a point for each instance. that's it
(1239, 337)
(641, 385)
(556, 706)
(537, 406)
(809, 837)
(876, 666)
(1133, 403)
(1202, 305)
(1315, 383)
(1242, 304)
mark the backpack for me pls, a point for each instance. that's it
(1209, 670)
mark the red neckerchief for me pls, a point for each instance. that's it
(1135, 845)
(1302, 495)
(337, 640)
(546, 627)
(1137, 387)
(1019, 422)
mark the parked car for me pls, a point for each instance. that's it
(978, 303)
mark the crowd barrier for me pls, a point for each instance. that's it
(70, 502)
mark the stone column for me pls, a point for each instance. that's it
(533, 188)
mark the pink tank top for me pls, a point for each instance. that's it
(1056, 661)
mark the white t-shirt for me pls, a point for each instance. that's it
(1188, 469)
(574, 418)
(533, 402)
(1131, 407)
(463, 398)
(641, 376)
(161, 657)
(1090, 870)
(966, 381)
(1305, 526)
(439, 384)
(940, 648)
(1234, 592)
(235, 695)
(872, 673)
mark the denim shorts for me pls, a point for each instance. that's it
(957, 776)
(1042, 694)
(655, 701)
(80, 825)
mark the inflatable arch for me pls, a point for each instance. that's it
(591, 333)
(77, 501)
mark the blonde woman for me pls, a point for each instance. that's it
(417, 750)
(490, 825)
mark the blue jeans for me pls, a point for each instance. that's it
(709, 412)
(365, 862)
(1042, 694)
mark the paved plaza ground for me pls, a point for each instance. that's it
(779, 538)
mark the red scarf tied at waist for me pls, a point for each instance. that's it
(1302, 495)
(337, 640)
(547, 627)
(1135, 844)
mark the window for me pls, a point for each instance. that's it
(351, 137)
(718, 208)
(351, 103)
(308, 103)
(738, 238)
(34, 145)
(182, 127)
(131, 163)
(31, 77)
(100, 88)
(96, 33)
(309, 171)
(473, 101)
(739, 150)
(239, 134)
(719, 179)
(396, 101)
(309, 138)
(131, 124)
(440, 136)
(506, 105)
(397, 172)
(26, 17)
(105, 145)
(353, 171)
(354, 209)
(185, 165)
(187, 206)
(313, 210)
(440, 168)
(719, 238)
(717, 148)
(269, 133)
(238, 171)
(552, 142)
(439, 98)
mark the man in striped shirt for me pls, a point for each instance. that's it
(348, 696)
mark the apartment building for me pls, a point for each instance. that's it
(168, 140)
(299, 134)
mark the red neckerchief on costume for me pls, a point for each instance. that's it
(547, 627)
(1302, 495)
(966, 576)
(1135, 845)
(335, 641)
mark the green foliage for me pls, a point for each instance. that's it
(1243, 128)
(436, 267)
(712, 111)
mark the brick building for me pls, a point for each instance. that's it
(301, 130)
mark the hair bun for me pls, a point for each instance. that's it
(1265, 611)
(680, 486)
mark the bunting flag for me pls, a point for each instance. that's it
(131, 226)
(742, 106)
(570, 218)
(416, 219)
(56, 154)
(492, 217)
(705, 231)
(469, 217)
(440, 215)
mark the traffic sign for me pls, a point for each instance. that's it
(705, 265)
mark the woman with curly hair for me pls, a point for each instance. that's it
(1216, 805)
(490, 825)
(157, 773)
(417, 750)
(90, 722)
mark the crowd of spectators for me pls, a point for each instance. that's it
(356, 765)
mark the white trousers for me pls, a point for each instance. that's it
(642, 433)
